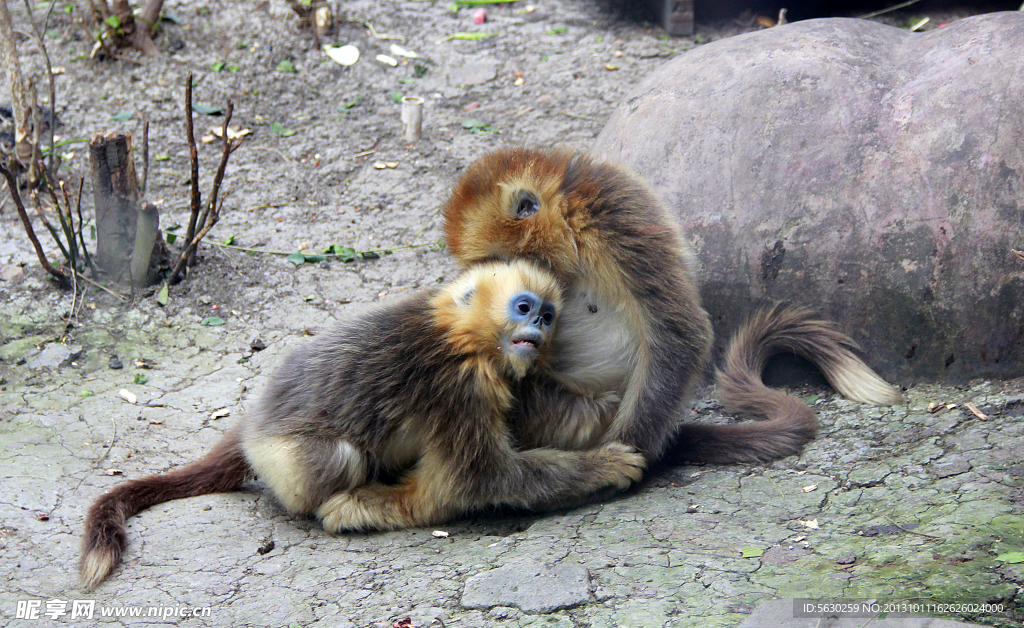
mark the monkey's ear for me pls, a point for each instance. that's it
(525, 204)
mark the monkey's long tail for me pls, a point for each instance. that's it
(222, 470)
(791, 423)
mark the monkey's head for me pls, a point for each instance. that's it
(503, 312)
(519, 203)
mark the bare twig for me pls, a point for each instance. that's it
(203, 217)
(81, 223)
(229, 147)
(12, 185)
(39, 30)
(887, 10)
(193, 154)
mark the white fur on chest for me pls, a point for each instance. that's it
(595, 348)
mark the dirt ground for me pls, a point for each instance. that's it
(326, 165)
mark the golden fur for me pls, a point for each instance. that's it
(632, 331)
(401, 417)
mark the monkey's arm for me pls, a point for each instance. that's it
(479, 468)
(546, 414)
(674, 342)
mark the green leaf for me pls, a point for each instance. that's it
(297, 258)
(242, 45)
(343, 253)
(478, 36)
(286, 66)
(599, 40)
(345, 107)
(557, 30)
(477, 127)
(217, 67)
(87, 393)
(396, 96)
(1014, 558)
(170, 17)
(207, 110)
(162, 158)
(121, 116)
(229, 240)
(141, 378)
(419, 71)
(406, 81)
(165, 293)
(212, 321)
(751, 552)
(280, 129)
(369, 255)
(309, 297)
(113, 22)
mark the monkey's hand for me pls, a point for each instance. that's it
(621, 464)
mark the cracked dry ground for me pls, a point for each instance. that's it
(887, 503)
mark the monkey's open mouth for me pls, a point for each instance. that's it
(526, 343)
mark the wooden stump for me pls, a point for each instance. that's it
(126, 232)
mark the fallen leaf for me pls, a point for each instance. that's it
(219, 414)
(439, 534)
(386, 60)
(128, 396)
(810, 487)
(975, 411)
(810, 523)
(398, 51)
(114, 472)
(468, 36)
(343, 55)
(751, 552)
(1014, 558)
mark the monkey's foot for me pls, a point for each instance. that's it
(622, 465)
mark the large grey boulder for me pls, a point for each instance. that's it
(872, 173)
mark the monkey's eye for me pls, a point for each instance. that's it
(548, 317)
(526, 205)
(523, 307)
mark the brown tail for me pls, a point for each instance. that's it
(791, 423)
(221, 470)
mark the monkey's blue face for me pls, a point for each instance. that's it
(532, 319)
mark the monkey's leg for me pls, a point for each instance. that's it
(302, 472)
(436, 490)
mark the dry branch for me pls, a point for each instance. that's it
(203, 217)
(12, 183)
